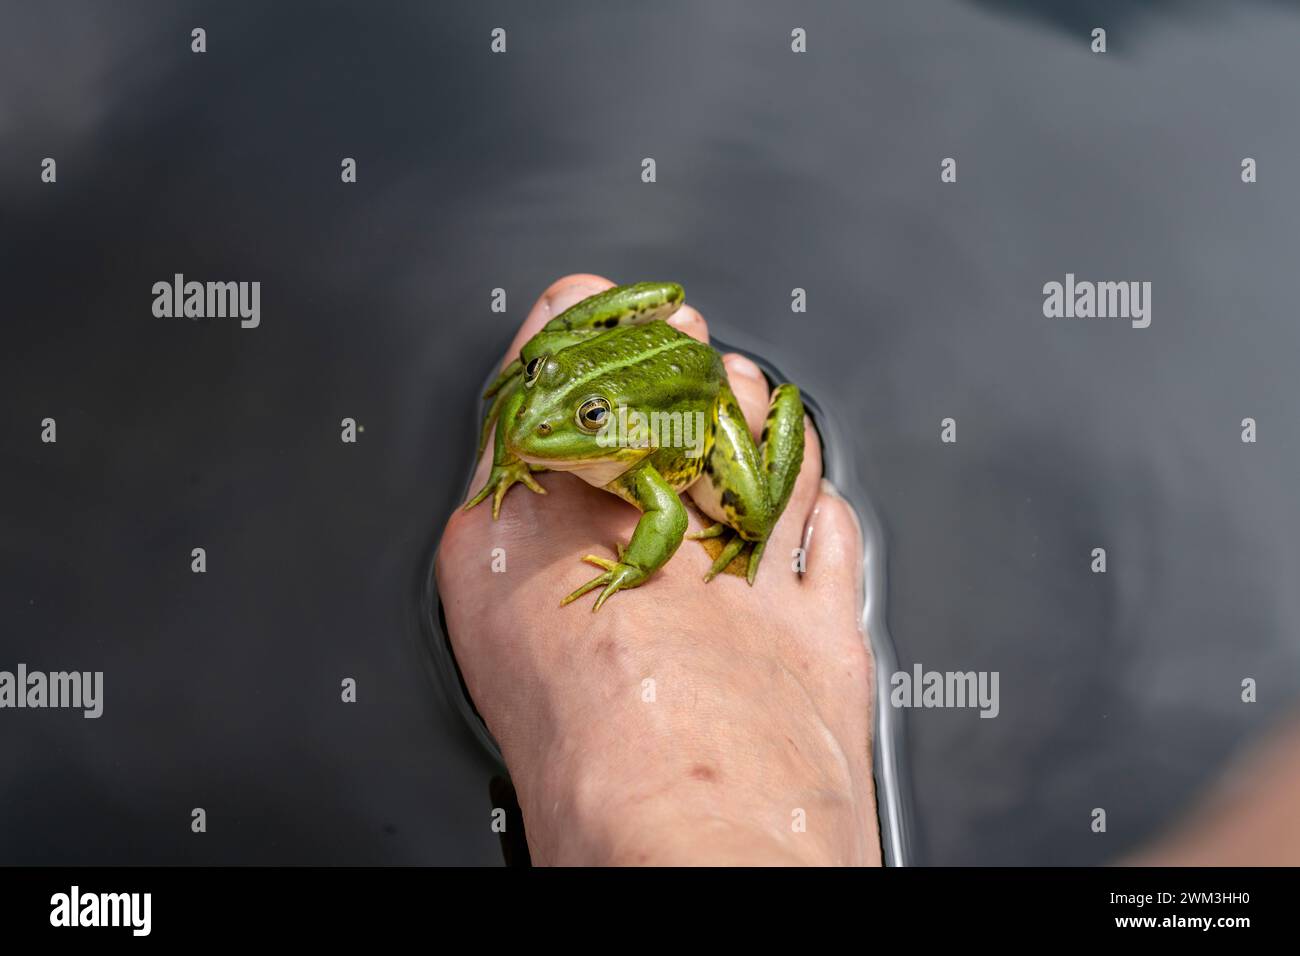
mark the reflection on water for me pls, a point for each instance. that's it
(775, 171)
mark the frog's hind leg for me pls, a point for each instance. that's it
(781, 449)
(732, 489)
(745, 488)
(499, 397)
(622, 305)
(501, 381)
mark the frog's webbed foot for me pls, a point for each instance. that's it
(500, 481)
(617, 577)
(657, 535)
(735, 545)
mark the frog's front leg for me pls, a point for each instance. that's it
(658, 534)
(507, 468)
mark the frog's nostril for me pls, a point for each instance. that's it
(544, 428)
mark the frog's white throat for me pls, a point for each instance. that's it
(594, 471)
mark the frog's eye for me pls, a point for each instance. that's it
(592, 414)
(533, 369)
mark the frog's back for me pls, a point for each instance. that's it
(667, 376)
(650, 366)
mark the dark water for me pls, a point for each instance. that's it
(775, 171)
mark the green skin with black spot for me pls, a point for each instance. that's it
(615, 350)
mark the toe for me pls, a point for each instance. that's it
(834, 543)
(750, 386)
(559, 296)
(789, 531)
(688, 320)
(562, 293)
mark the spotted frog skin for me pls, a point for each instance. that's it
(610, 392)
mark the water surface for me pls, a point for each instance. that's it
(775, 171)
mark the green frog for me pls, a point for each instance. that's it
(612, 393)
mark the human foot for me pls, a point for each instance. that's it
(686, 723)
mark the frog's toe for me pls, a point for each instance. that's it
(724, 558)
(610, 588)
(502, 488)
(755, 556)
(589, 586)
(712, 531)
(531, 482)
(478, 498)
(618, 577)
(500, 481)
(522, 477)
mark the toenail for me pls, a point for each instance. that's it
(739, 365)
